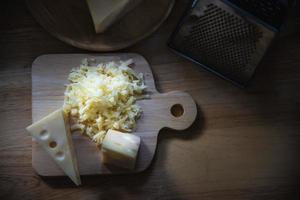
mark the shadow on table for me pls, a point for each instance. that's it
(128, 185)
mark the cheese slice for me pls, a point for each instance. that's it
(53, 134)
(120, 149)
(105, 12)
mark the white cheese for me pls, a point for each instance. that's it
(105, 12)
(120, 149)
(53, 134)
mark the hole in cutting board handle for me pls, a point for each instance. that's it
(177, 110)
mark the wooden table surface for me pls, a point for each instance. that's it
(245, 143)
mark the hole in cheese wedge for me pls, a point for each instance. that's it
(60, 155)
(44, 135)
(52, 144)
(53, 134)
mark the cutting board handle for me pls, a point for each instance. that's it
(181, 110)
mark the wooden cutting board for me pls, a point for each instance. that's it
(176, 110)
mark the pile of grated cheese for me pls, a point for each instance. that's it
(102, 97)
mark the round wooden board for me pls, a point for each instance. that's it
(70, 21)
(49, 75)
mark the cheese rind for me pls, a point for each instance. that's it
(105, 12)
(53, 134)
(120, 149)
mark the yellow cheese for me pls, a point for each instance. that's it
(120, 149)
(105, 12)
(102, 97)
(53, 134)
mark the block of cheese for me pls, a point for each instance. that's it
(120, 149)
(53, 134)
(105, 12)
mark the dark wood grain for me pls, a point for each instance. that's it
(245, 144)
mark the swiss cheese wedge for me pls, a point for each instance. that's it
(53, 134)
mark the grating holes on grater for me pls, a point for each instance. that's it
(222, 41)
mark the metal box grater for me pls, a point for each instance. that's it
(230, 37)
